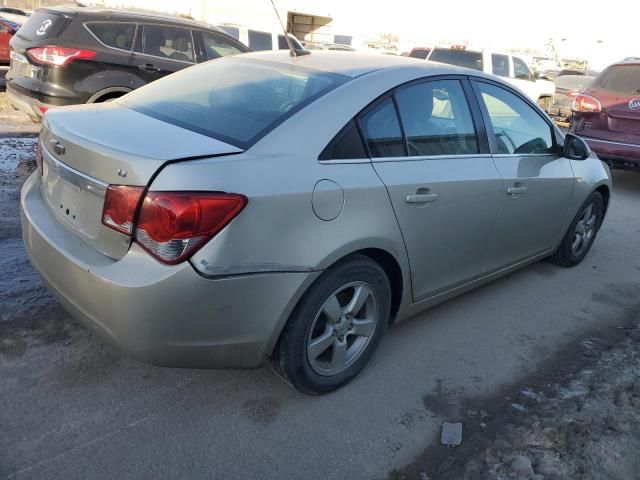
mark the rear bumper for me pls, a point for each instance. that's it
(617, 154)
(165, 315)
(24, 103)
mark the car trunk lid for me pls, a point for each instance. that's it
(87, 148)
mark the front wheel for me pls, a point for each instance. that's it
(582, 232)
(336, 328)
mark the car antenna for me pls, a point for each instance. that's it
(292, 51)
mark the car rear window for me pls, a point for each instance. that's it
(234, 100)
(461, 58)
(573, 81)
(41, 25)
(421, 53)
(114, 34)
(623, 79)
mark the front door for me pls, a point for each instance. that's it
(537, 182)
(162, 50)
(442, 182)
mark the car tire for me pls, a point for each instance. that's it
(336, 327)
(581, 234)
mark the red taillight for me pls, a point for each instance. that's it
(39, 158)
(59, 56)
(573, 93)
(42, 109)
(585, 104)
(120, 206)
(172, 226)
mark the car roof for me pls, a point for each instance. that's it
(138, 14)
(354, 64)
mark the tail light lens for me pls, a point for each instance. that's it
(39, 158)
(172, 226)
(585, 104)
(120, 206)
(59, 56)
(573, 93)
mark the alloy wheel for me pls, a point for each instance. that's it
(343, 328)
(584, 230)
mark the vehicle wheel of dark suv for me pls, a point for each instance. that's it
(336, 328)
(581, 234)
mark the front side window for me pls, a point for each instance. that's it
(217, 46)
(500, 65)
(260, 41)
(520, 69)
(168, 42)
(518, 128)
(116, 35)
(233, 99)
(381, 130)
(436, 119)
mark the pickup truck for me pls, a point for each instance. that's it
(512, 68)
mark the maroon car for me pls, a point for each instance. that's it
(607, 115)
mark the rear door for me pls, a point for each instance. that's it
(161, 50)
(433, 157)
(537, 181)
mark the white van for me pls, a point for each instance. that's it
(258, 40)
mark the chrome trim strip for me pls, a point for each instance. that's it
(501, 155)
(75, 177)
(428, 157)
(589, 139)
(345, 161)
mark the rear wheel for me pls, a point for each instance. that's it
(336, 328)
(582, 232)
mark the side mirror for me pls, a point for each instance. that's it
(575, 148)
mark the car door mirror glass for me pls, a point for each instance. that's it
(575, 148)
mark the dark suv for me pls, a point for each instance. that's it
(70, 55)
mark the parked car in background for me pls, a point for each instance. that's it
(8, 29)
(420, 52)
(513, 69)
(327, 46)
(407, 183)
(258, 40)
(69, 55)
(607, 115)
(567, 88)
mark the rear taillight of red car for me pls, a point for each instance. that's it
(585, 104)
(58, 56)
(171, 226)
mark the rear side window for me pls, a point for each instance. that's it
(517, 126)
(116, 35)
(381, 130)
(218, 46)
(168, 42)
(623, 79)
(233, 99)
(42, 25)
(461, 58)
(436, 119)
(500, 65)
(520, 69)
(260, 41)
(347, 145)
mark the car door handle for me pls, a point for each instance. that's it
(516, 190)
(422, 198)
(149, 67)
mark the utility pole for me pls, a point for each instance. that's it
(203, 10)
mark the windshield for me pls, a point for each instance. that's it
(234, 100)
(461, 58)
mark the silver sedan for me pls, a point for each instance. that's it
(264, 207)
